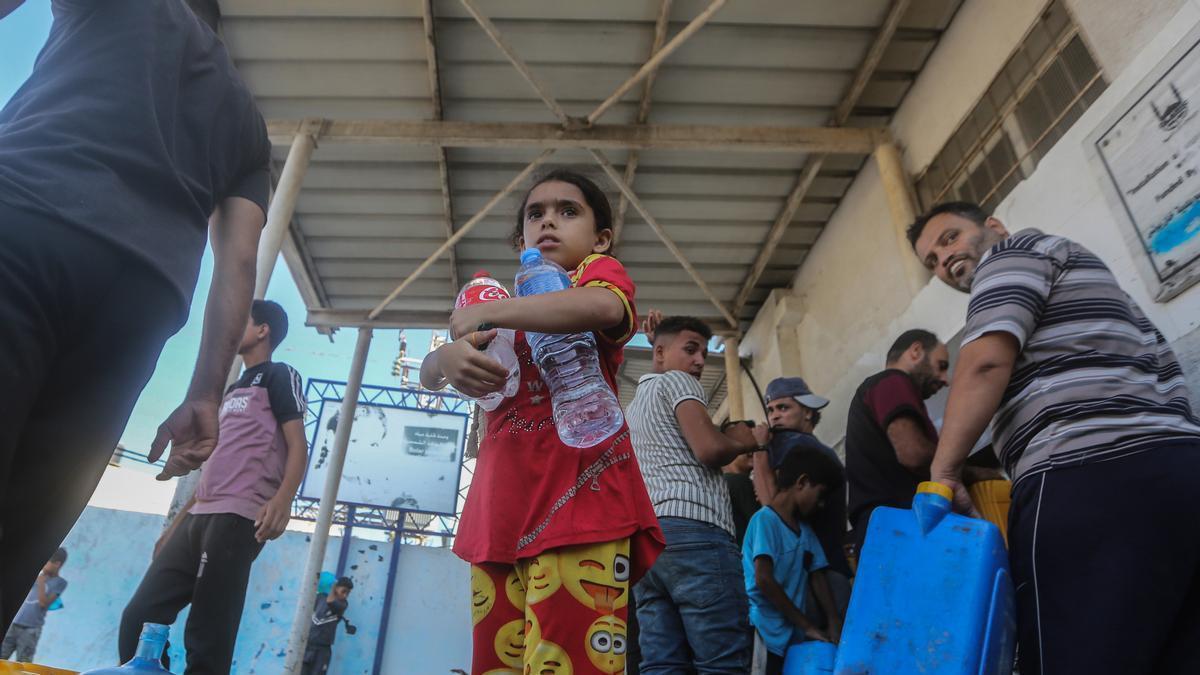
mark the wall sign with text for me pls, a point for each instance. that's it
(1148, 151)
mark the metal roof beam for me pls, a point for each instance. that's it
(767, 139)
(466, 228)
(325, 319)
(522, 68)
(435, 88)
(662, 234)
(813, 165)
(631, 164)
(659, 56)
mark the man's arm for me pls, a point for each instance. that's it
(984, 368)
(764, 578)
(192, 428)
(166, 535)
(710, 446)
(914, 450)
(275, 514)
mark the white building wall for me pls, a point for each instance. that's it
(851, 291)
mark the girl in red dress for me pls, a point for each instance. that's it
(556, 536)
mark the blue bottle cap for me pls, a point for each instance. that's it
(155, 631)
(530, 255)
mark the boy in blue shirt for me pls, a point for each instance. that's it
(781, 555)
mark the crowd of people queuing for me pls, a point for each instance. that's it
(703, 537)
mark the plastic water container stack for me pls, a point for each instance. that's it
(586, 412)
(932, 594)
(483, 288)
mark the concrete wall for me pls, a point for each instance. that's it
(849, 299)
(430, 626)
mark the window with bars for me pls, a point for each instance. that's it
(1046, 85)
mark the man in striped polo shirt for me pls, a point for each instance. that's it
(692, 608)
(1093, 422)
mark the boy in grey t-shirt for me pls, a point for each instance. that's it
(26, 628)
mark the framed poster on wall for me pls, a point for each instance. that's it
(1148, 155)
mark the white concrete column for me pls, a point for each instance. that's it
(279, 217)
(903, 207)
(298, 637)
(733, 379)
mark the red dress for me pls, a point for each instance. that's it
(531, 492)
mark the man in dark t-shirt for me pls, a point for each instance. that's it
(890, 439)
(132, 143)
(328, 611)
(244, 500)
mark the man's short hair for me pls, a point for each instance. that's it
(818, 467)
(59, 556)
(927, 339)
(345, 583)
(272, 314)
(969, 210)
(674, 325)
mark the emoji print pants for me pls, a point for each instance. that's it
(560, 613)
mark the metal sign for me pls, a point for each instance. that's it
(404, 461)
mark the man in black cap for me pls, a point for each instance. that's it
(793, 412)
(327, 612)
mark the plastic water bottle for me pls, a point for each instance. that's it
(149, 653)
(932, 594)
(586, 411)
(483, 288)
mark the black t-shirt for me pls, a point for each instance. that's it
(325, 618)
(875, 475)
(134, 126)
(742, 501)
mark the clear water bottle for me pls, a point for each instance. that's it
(586, 411)
(149, 653)
(483, 288)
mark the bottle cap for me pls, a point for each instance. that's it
(932, 487)
(530, 255)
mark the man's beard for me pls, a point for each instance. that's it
(927, 384)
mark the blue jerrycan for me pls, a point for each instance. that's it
(932, 595)
(809, 658)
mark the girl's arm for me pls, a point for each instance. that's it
(575, 310)
(471, 371)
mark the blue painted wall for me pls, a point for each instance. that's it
(430, 628)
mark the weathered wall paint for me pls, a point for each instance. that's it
(109, 550)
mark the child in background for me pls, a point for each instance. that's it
(556, 535)
(781, 556)
(26, 628)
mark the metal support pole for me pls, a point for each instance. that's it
(388, 594)
(344, 549)
(733, 379)
(298, 637)
(283, 205)
(902, 205)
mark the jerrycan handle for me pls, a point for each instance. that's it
(931, 504)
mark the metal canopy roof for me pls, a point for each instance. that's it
(388, 172)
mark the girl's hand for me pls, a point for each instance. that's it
(468, 319)
(469, 370)
(650, 323)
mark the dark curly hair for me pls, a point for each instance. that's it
(592, 194)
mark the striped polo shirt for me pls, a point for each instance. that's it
(679, 485)
(1094, 379)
